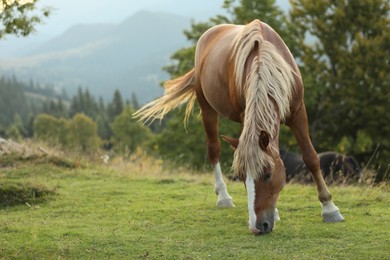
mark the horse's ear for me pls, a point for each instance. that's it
(232, 141)
(263, 140)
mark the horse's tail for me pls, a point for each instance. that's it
(177, 91)
(267, 89)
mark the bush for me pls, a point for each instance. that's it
(82, 133)
(128, 133)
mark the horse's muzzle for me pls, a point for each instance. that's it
(265, 226)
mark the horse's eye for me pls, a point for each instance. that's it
(267, 177)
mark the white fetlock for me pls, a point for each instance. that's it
(331, 213)
(224, 199)
(225, 203)
(276, 215)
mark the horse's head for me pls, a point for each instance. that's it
(263, 192)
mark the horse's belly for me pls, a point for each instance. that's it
(217, 95)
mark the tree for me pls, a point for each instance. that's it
(17, 17)
(12, 101)
(134, 101)
(128, 133)
(188, 146)
(49, 129)
(82, 133)
(84, 103)
(245, 11)
(103, 121)
(115, 108)
(347, 73)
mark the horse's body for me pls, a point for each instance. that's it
(293, 162)
(336, 167)
(247, 74)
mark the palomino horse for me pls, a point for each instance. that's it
(247, 74)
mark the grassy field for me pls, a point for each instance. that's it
(131, 210)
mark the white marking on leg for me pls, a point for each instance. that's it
(224, 199)
(250, 189)
(330, 212)
(329, 207)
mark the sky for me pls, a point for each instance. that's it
(69, 12)
(66, 13)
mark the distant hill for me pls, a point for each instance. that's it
(104, 57)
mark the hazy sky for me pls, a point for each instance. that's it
(69, 12)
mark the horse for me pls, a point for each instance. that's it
(247, 74)
(293, 163)
(335, 167)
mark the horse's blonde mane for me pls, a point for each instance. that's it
(267, 89)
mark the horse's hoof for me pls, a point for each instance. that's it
(331, 213)
(225, 203)
(334, 216)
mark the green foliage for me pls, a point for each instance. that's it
(50, 129)
(20, 102)
(128, 133)
(79, 133)
(116, 106)
(187, 145)
(82, 133)
(20, 17)
(13, 133)
(12, 101)
(346, 73)
(245, 11)
(84, 103)
(183, 146)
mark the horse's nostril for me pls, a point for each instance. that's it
(264, 227)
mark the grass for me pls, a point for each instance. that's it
(136, 209)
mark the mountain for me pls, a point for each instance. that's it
(104, 57)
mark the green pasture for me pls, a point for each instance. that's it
(140, 211)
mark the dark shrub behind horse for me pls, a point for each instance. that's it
(336, 167)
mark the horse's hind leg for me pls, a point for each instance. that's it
(210, 124)
(299, 126)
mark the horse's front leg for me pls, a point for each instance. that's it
(210, 124)
(299, 125)
(224, 199)
(213, 150)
